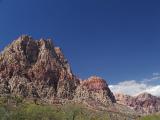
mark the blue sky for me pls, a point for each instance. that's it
(115, 39)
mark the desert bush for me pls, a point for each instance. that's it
(18, 100)
(3, 100)
(22, 110)
(36, 112)
(4, 114)
(151, 117)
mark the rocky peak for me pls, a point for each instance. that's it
(122, 98)
(35, 68)
(95, 83)
(59, 52)
(95, 89)
(144, 96)
(143, 103)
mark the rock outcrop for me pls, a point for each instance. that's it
(37, 69)
(31, 68)
(94, 89)
(143, 104)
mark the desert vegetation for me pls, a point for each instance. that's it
(15, 108)
(151, 117)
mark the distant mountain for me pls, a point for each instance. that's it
(143, 103)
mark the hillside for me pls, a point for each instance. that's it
(37, 71)
(143, 104)
(17, 108)
(151, 117)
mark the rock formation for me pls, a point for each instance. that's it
(37, 69)
(94, 89)
(31, 68)
(144, 103)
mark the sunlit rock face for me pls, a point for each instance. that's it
(96, 89)
(35, 68)
(144, 103)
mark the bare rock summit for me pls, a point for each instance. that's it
(32, 68)
(95, 89)
(38, 69)
(143, 103)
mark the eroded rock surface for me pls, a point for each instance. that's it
(37, 69)
(94, 89)
(32, 68)
(143, 104)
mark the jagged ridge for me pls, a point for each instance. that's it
(143, 103)
(37, 69)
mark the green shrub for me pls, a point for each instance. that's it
(3, 100)
(4, 114)
(151, 117)
(18, 100)
(14, 108)
(36, 112)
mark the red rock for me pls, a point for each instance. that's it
(94, 88)
(144, 103)
(36, 68)
(39, 67)
(95, 83)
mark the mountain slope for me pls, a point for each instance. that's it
(144, 103)
(94, 88)
(32, 68)
(37, 70)
(155, 116)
